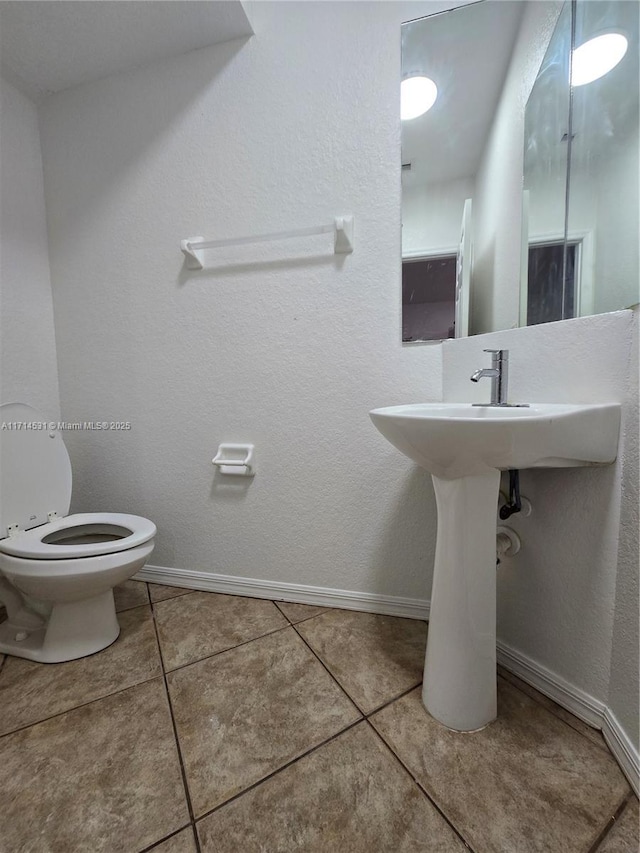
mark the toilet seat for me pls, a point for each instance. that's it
(70, 564)
(133, 529)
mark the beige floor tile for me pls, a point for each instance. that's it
(349, 795)
(31, 691)
(160, 592)
(375, 658)
(623, 837)
(592, 734)
(103, 778)
(130, 594)
(245, 713)
(181, 843)
(526, 783)
(195, 626)
(298, 612)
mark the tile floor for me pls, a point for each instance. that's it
(223, 724)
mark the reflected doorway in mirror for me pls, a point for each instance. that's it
(428, 297)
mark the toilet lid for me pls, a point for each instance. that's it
(35, 471)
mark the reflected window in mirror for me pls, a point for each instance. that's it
(551, 291)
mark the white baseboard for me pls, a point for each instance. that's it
(622, 749)
(389, 605)
(567, 695)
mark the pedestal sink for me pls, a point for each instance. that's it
(465, 447)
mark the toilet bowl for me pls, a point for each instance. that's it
(68, 564)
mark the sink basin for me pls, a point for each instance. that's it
(464, 447)
(454, 440)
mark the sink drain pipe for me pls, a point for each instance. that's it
(513, 504)
(507, 543)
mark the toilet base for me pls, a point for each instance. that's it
(73, 630)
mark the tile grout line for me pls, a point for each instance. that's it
(306, 618)
(171, 597)
(183, 772)
(393, 699)
(422, 790)
(229, 649)
(611, 822)
(167, 838)
(288, 764)
(81, 705)
(364, 713)
(97, 698)
(552, 710)
(326, 668)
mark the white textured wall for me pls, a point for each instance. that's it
(432, 215)
(497, 213)
(288, 129)
(617, 245)
(28, 352)
(557, 598)
(624, 687)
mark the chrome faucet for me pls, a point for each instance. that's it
(499, 373)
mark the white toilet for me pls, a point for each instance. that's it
(68, 563)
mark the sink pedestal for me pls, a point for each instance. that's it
(459, 686)
(463, 447)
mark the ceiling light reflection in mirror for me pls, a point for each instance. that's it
(597, 57)
(417, 95)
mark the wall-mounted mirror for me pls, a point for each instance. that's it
(466, 53)
(581, 145)
(479, 254)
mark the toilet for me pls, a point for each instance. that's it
(66, 565)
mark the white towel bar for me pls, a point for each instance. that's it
(341, 227)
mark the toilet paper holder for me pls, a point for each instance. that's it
(236, 459)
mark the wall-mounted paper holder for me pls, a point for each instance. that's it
(236, 459)
(341, 228)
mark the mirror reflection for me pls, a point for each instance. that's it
(442, 151)
(604, 162)
(581, 142)
(479, 253)
(546, 264)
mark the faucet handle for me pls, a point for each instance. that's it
(501, 353)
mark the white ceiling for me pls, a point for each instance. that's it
(50, 45)
(466, 52)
